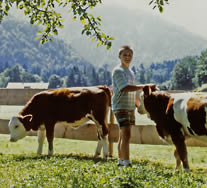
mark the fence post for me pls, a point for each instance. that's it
(111, 143)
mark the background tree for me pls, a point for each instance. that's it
(183, 74)
(14, 73)
(140, 74)
(201, 69)
(55, 81)
(70, 80)
(28, 77)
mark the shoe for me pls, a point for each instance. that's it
(129, 165)
(120, 165)
(120, 162)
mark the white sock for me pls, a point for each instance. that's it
(120, 161)
(126, 162)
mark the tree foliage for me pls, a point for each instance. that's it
(45, 13)
(183, 74)
(55, 81)
(201, 69)
(159, 4)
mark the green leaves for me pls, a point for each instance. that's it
(42, 12)
(159, 4)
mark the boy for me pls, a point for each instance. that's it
(123, 102)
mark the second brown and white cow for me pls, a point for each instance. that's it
(177, 116)
(72, 105)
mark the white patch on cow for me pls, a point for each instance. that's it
(41, 137)
(98, 126)
(98, 148)
(77, 123)
(105, 147)
(140, 96)
(180, 110)
(102, 142)
(17, 129)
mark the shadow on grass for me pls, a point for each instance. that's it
(77, 156)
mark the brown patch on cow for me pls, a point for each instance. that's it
(51, 106)
(197, 115)
(156, 103)
(160, 107)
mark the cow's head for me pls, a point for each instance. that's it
(18, 127)
(142, 94)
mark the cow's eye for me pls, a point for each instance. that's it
(16, 126)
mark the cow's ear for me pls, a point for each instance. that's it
(147, 90)
(28, 118)
(27, 121)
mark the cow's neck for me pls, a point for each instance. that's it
(156, 106)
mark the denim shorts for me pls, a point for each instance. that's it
(125, 118)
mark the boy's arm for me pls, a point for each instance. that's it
(129, 88)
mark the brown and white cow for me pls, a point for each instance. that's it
(177, 116)
(72, 105)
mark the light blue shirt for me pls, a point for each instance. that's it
(121, 100)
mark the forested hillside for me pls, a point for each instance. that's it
(23, 59)
(48, 61)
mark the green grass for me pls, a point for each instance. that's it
(73, 165)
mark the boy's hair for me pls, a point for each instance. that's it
(125, 47)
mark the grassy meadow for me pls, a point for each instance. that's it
(73, 165)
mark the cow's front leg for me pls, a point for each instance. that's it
(181, 149)
(102, 143)
(41, 137)
(105, 147)
(98, 148)
(178, 161)
(50, 137)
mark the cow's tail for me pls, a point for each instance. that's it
(108, 92)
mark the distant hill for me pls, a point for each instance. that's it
(18, 46)
(153, 39)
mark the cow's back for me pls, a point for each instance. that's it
(190, 111)
(66, 104)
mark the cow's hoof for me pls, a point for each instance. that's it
(96, 154)
(105, 156)
(186, 170)
(39, 152)
(50, 153)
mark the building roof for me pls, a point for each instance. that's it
(33, 85)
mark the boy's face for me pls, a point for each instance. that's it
(126, 57)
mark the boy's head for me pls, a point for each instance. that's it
(125, 48)
(125, 55)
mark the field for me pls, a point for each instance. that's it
(73, 165)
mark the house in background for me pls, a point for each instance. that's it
(23, 85)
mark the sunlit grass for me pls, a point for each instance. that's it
(73, 165)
